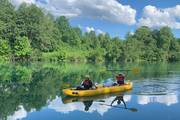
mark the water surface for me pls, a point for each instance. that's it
(34, 92)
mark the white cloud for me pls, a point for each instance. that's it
(164, 99)
(109, 10)
(19, 114)
(97, 31)
(100, 31)
(18, 2)
(89, 29)
(155, 17)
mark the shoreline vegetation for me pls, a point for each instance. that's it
(28, 33)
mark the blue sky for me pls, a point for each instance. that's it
(117, 17)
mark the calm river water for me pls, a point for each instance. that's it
(34, 92)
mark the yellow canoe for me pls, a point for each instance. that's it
(99, 91)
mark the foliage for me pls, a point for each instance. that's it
(32, 34)
(22, 48)
(4, 49)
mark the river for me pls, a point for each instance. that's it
(33, 91)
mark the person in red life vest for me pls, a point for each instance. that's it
(86, 84)
(120, 79)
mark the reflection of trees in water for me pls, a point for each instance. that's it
(32, 85)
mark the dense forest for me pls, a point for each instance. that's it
(30, 33)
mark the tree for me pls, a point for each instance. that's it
(28, 21)
(63, 24)
(7, 21)
(147, 43)
(22, 48)
(114, 50)
(104, 40)
(69, 35)
(91, 40)
(49, 35)
(131, 50)
(5, 50)
(165, 39)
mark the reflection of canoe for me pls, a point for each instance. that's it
(99, 91)
(70, 99)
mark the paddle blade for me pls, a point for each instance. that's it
(136, 70)
(101, 101)
(66, 85)
(133, 109)
(103, 69)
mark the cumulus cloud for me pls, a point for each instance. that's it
(19, 114)
(164, 99)
(19, 2)
(98, 31)
(109, 10)
(155, 17)
(89, 29)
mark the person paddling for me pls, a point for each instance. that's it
(120, 78)
(86, 84)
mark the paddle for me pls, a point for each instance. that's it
(66, 85)
(100, 101)
(135, 70)
(131, 109)
(96, 100)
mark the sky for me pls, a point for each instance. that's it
(116, 17)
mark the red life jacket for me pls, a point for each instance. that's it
(87, 83)
(120, 78)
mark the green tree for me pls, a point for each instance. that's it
(69, 35)
(131, 50)
(7, 21)
(147, 43)
(5, 50)
(91, 40)
(28, 21)
(114, 50)
(22, 48)
(165, 39)
(49, 35)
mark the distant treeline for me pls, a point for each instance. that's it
(29, 33)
